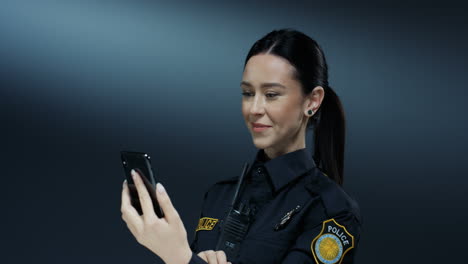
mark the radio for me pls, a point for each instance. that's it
(235, 225)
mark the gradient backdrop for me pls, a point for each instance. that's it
(82, 80)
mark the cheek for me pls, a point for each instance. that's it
(279, 117)
(286, 118)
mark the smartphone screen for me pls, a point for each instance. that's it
(140, 162)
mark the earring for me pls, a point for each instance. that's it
(310, 112)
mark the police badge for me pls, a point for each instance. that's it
(333, 242)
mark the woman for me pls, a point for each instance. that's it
(297, 209)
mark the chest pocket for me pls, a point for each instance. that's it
(266, 243)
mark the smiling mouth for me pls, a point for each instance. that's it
(260, 128)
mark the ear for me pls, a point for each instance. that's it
(314, 99)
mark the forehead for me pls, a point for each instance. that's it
(268, 68)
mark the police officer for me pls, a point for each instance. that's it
(288, 206)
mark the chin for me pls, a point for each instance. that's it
(261, 143)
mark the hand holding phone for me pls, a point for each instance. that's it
(140, 162)
(166, 235)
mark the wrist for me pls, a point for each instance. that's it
(181, 257)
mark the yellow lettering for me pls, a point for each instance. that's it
(206, 223)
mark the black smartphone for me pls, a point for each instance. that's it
(140, 162)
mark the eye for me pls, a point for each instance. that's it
(246, 94)
(271, 95)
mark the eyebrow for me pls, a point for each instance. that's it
(264, 85)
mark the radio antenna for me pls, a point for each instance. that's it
(241, 179)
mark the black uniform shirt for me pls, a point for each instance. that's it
(300, 215)
(259, 187)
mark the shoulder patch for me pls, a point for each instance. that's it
(333, 242)
(206, 223)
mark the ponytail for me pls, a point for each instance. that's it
(329, 136)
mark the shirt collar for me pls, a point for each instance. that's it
(285, 168)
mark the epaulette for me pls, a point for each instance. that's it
(335, 199)
(223, 181)
(316, 184)
(228, 180)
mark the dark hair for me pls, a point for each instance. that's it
(311, 70)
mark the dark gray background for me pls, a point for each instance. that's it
(81, 81)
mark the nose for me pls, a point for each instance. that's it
(257, 107)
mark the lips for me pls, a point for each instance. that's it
(259, 125)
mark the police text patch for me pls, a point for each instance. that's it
(332, 243)
(206, 223)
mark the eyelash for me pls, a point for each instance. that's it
(272, 95)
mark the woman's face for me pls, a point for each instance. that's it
(271, 97)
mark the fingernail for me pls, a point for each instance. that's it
(133, 173)
(125, 182)
(160, 188)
